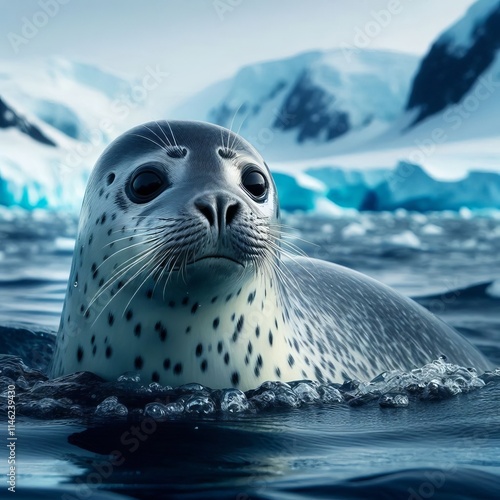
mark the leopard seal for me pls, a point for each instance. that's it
(180, 273)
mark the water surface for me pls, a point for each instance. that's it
(446, 446)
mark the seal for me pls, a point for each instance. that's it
(180, 273)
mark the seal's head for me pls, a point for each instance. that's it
(176, 215)
(190, 199)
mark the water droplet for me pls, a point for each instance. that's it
(75, 284)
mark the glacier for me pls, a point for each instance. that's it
(407, 186)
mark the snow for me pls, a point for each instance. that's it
(461, 34)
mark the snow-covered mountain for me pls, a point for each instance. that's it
(314, 97)
(70, 96)
(457, 60)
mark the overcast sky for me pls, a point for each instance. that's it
(201, 41)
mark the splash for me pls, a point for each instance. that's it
(85, 395)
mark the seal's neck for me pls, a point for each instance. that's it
(237, 333)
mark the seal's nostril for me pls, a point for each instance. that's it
(219, 210)
(207, 211)
(231, 212)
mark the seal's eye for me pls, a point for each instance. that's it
(255, 183)
(146, 184)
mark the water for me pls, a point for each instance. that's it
(431, 433)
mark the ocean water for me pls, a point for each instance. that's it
(430, 433)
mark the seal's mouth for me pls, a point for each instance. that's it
(216, 257)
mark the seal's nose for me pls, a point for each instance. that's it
(218, 209)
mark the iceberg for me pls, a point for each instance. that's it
(300, 192)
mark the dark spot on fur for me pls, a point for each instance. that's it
(120, 201)
(239, 325)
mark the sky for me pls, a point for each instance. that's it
(201, 41)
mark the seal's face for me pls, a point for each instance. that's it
(202, 203)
